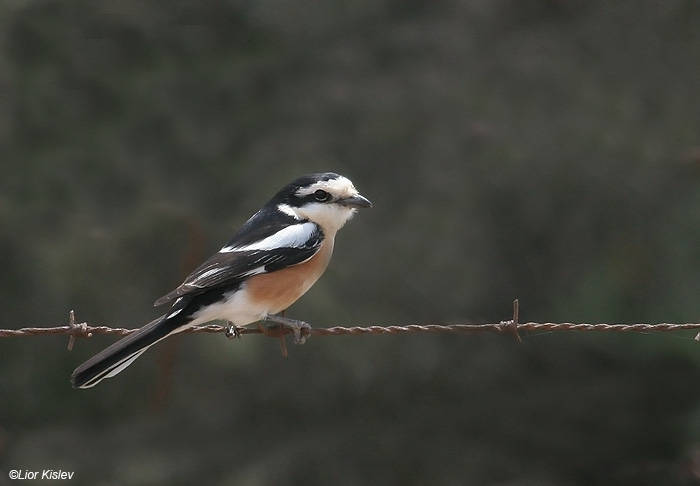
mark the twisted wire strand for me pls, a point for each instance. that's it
(512, 327)
(85, 330)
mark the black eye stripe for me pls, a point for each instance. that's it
(317, 196)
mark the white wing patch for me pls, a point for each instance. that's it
(294, 236)
(254, 271)
(208, 273)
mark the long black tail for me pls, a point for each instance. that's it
(121, 354)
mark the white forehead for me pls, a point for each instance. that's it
(339, 187)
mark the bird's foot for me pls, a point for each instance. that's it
(299, 328)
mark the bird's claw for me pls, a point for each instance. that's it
(299, 336)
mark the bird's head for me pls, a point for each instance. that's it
(326, 198)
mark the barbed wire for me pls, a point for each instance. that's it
(512, 327)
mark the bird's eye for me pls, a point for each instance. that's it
(322, 196)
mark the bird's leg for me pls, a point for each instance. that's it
(233, 331)
(293, 324)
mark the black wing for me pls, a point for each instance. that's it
(257, 248)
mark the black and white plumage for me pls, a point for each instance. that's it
(275, 257)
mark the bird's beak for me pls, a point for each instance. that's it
(357, 201)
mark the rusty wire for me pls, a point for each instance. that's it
(512, 327)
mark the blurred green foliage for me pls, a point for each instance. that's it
(546, 150)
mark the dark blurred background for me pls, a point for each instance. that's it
(546, 150)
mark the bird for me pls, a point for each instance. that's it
(269, 263)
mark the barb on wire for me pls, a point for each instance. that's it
(510, 327)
